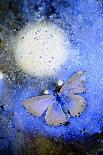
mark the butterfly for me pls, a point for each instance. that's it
(66, 101)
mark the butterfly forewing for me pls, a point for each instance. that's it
(74, 85)
(37, 105)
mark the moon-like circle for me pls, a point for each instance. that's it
(41, 49)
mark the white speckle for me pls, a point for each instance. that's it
(80, 18)
(46, 92)
(60, 83)
(1, 75)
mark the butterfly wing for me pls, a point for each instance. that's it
(77, 105)
(55, 116)
(37, 105)
(75, 84)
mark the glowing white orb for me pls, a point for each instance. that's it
(41, 49)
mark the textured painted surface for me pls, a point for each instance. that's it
(83, 23)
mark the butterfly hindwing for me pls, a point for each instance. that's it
(78, 104)
(55, 116)
(37, 105)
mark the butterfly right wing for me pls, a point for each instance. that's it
(39, 104)
(75, 85)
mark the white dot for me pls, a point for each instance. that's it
(60, 83)
(46, 92)
(1, 82)
(1, 75)
(41, 49)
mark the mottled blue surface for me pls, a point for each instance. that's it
(86, 35)
(83, 21)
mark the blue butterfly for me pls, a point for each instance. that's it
(65, 101)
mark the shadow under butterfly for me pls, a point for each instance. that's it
(62, 104)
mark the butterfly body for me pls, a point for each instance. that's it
(65, 101)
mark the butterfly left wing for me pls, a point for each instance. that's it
(75, 85)
(39, 104)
